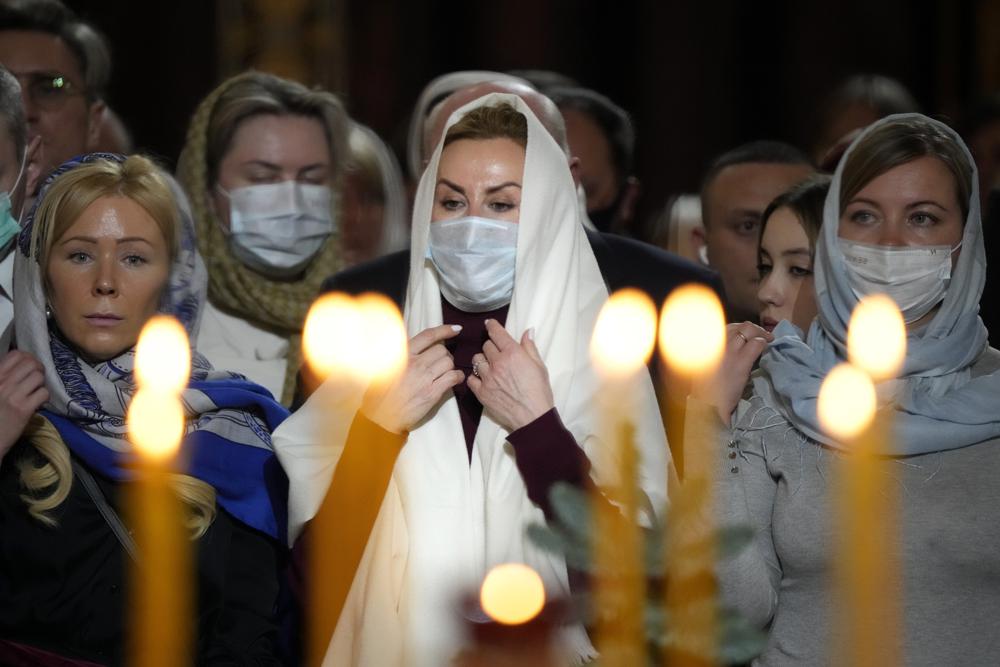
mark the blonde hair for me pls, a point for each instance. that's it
(71, 193)
(48, 477)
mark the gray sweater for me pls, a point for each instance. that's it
(776, 480)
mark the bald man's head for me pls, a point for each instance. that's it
(545, 109)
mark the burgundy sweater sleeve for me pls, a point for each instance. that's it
(546, 453)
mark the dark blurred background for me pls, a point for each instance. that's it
(698, 77)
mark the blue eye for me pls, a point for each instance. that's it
(862, 217)
(78, 257)
(135, 260)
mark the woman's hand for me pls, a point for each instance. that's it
(745, 342)
(430, 371)
(512, 381)
(22, 393)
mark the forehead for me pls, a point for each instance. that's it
(115, 217)
(30, 51)
(924, 178)
(469, 160)
(586, 135)
(784, 231)
(753, 185)
(283, 140)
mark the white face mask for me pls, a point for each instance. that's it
(278, 228)
(475, 259)
(915, 277)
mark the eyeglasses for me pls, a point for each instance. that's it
(49, 90)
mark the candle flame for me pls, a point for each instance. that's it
(846, 404)
(876, 337)
(693, 330)
(512, 594)
(155, 424)
(625, 333)
(332, 334)
(163, 356)
(384, 352)
(362, 338)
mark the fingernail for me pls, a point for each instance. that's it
(456, 327)
(486, 322)
(760, 338)
(531, 333)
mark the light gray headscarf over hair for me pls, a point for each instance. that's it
(939, 405)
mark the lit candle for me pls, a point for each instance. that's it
(356, 343)
(867, 592)
(161, 588)
(512, 594)
(510, 623)
(620, 348)
(692, 342)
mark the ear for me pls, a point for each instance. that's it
(94, 121)
(574, 170)
(630, 198)
(699, 244)
(34, 158)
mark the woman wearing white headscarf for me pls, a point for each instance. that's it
(901, 218)
(473, 470)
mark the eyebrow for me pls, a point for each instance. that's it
(278, 167)
(922, 202)
(796, 251)
(495, 188)
(91, 239)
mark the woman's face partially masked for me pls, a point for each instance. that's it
(914, 204)
(479, 178)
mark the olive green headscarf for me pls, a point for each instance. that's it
(279, 306)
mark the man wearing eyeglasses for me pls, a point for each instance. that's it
(63, 66)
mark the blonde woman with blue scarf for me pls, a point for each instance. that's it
(902, 218)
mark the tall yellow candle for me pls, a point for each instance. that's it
(356, 342)
(866, 586)
(692, 342)
(621, 346)
(161, 586)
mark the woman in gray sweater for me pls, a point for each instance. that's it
(902, 218)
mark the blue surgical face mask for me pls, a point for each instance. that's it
(9, 226)
(475, 259)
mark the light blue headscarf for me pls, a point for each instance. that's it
(939, 405)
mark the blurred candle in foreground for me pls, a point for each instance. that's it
(692, 342)
(512, 594)
(350, 344)
(876, 337)
(621, 345)
(162, 588)
(867, 589)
